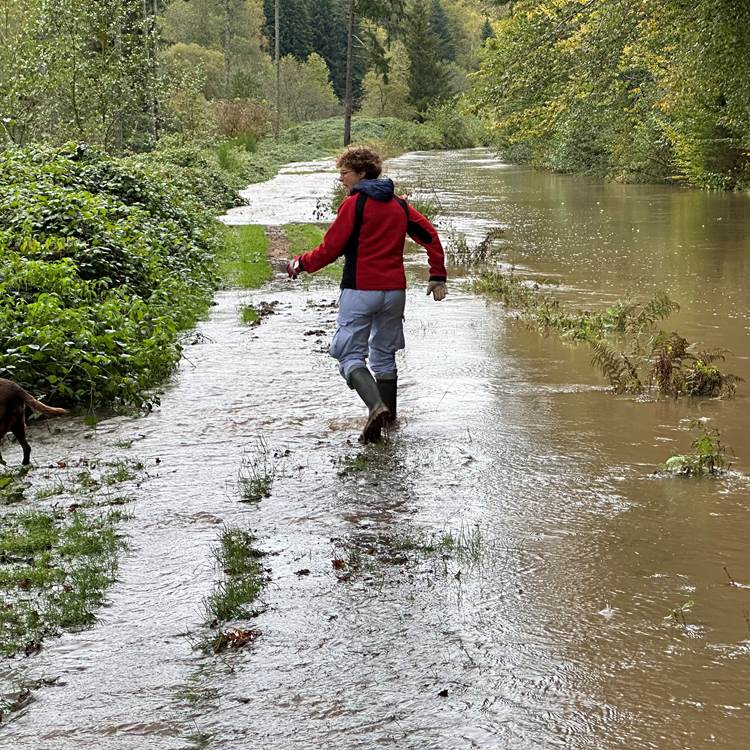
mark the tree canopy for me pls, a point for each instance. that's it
(653, 90)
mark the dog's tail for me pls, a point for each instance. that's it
(51, 411)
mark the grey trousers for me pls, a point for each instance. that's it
(370, 326)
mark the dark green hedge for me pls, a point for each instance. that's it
(103, 262)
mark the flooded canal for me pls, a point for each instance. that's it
(516, 575)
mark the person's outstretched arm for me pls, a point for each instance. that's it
(333, 245)
(420, 229)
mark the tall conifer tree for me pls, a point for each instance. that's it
(427, 76)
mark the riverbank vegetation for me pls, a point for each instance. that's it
(104, 263)
(649, 91)
(709, 456)
(628, 348)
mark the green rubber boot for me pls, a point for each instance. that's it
(388, 387)
(362, 381)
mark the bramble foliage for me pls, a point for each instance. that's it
(103, 264)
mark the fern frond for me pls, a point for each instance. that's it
(616, 368)
(659, 308)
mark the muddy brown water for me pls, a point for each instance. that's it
(553, 630)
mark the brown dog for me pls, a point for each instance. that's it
(13, 403)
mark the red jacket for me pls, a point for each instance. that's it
(373, 244)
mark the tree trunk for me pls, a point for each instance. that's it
(227, 42)
(277, 63)
(348, 104)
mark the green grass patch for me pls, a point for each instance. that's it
(250, 316)
(243, 579)
(243, 257)
(12, 486)
(303, 237)
(54, 569)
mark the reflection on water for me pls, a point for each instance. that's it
(558, 633)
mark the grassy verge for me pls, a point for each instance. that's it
(242, 258)
(446, 128)
(56, 562)
(54, 568)
(240, 561)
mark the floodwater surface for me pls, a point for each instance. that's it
(507, 571)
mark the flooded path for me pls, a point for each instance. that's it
(547, 621)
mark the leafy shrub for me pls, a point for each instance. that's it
(242, 116)
(103, 264)
(708, 457)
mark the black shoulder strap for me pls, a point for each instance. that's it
(412, 228)
(403, 205)
(349, 277)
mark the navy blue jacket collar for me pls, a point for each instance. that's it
(380, 189)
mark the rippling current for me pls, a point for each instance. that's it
(547, 624)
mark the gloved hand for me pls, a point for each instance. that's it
(293, 267)
(437, 289)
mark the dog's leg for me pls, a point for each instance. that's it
(18, 428)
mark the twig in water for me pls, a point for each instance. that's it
(732, 582)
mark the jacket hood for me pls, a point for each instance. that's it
(380, 189)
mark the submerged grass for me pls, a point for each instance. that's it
(243, 257)
(240, 561)
(250, 315)
(55, 564)
(257, 472)
(54, 569)
(464, 547)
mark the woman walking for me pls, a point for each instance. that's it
(369, 231)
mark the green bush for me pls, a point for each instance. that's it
(103, 264)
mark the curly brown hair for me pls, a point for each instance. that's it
(362, 160)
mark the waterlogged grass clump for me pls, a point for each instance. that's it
(54, 568)
(257, 472)
(243, 579)
(104, 264)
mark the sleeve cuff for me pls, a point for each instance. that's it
(439, 278)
